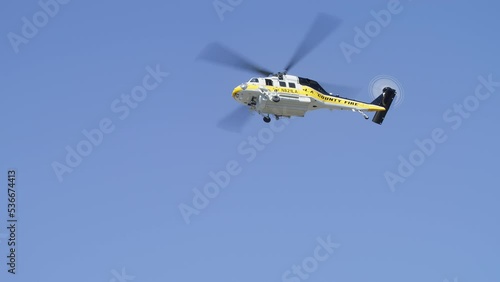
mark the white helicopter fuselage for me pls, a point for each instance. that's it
(288, 95)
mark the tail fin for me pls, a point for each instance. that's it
(384, 100)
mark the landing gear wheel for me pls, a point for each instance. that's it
(276, 99)
(267, 119)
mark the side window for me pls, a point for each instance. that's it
(254, 80)
(292, 85)
(282, 84)
(269, 82)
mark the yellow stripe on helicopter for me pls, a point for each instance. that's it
(309, 92)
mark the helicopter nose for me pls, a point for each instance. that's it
(237, 90)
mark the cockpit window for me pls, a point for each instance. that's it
(269, 82)
(254, 80)
(313, 84)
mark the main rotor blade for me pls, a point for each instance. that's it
(216, 53)
(236, 120)
(323, 25)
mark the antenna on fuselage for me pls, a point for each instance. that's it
(280, 75)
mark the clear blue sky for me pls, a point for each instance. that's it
(322, 175)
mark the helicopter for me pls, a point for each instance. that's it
(282, 95)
